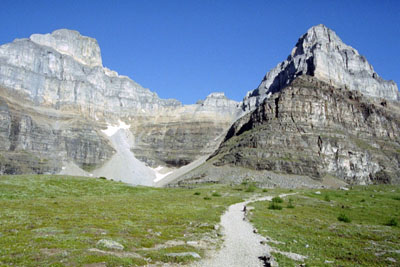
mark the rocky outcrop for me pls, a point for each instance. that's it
(63, 71)
(313, 128)
(322, 54)
(178, 136)
(56, 98)
(35, 140)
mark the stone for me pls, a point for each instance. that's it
(110, 244)
(312, 128)
(391, 259)
(184, 254)
(83, 49)
(322, 54)
(56, 100)
(192, 243)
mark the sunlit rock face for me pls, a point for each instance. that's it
(83, 49)
(322, 54)
(56, 97)
(63, 71)
(178, 136)
(315, 129)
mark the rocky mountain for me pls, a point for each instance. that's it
(61, 111)
(322, 54)
(315, 129)
(322, 113)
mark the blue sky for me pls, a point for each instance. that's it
(186, 49)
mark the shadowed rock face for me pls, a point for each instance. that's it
(312, 128)
(322, 54)
(56, 97)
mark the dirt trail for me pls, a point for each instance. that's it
(241, 247)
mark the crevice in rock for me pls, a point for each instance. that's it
(276, 107)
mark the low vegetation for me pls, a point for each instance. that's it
(54, 220)
(358, 227)
(59, 221)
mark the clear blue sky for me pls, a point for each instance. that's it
(186, 49)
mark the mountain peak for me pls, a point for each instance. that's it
(322, 54)
(69, 42)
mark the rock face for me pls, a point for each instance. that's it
(322, 54)
(56, 98)
(178, 136)
(313, 128)
(63, 71)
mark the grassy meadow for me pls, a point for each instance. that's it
(359, 227)
(58, 221)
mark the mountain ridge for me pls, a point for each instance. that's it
(321, 53)
(60, 75)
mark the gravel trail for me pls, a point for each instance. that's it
(241, 247)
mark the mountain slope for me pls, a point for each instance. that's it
(56, 99)
(312, 128)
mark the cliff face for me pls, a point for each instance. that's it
(315, 129)
(322, 54)
(178, 136)
(37, 140)
(63, 71)
(56, 98)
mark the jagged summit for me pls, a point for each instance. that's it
(322, 54)
(83, 49)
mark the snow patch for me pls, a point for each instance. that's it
(112, 129)
(160, 175)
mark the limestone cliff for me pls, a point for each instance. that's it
(178, 136)
(322, 54)
(56, 99)
(315, 129)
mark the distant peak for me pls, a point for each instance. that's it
(322, 54)
(70, 42)
(217, 95)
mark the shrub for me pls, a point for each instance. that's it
(207, 198)
(197, 193)
(290, 204)
(343, 218)
(251, 187)
(274, 206)
(327, 198)
(396, 198)
(277, 200)
(265, 190)
(216, 194)
(362, 200)
(102, 177)
(392, 222)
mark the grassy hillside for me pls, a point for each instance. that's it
(54, 220)
(359, 227)
(59, 220)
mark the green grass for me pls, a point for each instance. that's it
(54, 220)
(274, 206)
(312, 227)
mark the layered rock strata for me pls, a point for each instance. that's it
(178, 136)
(57, 98)
(322, 54)
(313, 128)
